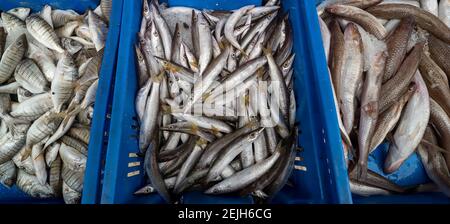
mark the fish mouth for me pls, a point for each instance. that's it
(392, 166)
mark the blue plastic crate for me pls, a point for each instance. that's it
(410, 173)
(100, 122)
(320, 183)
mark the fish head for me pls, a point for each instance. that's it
(20, 11)
(21, 42)
(394, 159)
(255, 134)
(336, 9)
(146, 10)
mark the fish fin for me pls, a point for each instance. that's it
(25, 152)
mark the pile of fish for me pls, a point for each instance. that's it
(389, 66)
(215, 102)
(49, 69)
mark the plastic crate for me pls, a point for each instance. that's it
(100, 122)
(324, 176)
(410, 173)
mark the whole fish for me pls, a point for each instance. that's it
(411, 127)
(350, 75)
(389, 118)
(149, 123)
(369, 110)
(12, 57)
(43, 32)
(30, 185)
(63, 82)
(231, 22)
(423, 18)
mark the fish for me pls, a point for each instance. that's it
(396, 47)
(392, 89)
(438, 117)
(98, 30)
(369, 110)
(230, 152)
(30, 77)
(439, 51)
(63, 83)
(244, 177)
(149, 123)
(435, 166)
(366, 190)
(361, 17)
(193, 136)
(411, 127)
(43, 32)
(357, 3)
(70, 196)
(436, 81)
(106, 8)
(8, 173)
(30, 185)
(389, 118)
(231, 22)
(352, 75)
(12, 57)
(423, 18)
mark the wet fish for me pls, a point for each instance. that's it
(12, 57)
(351, 75)
(392, 89)
(43, 32)
(397, 48)
(411, 127)
(369, 110)
(423, 18)
(361, 17)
